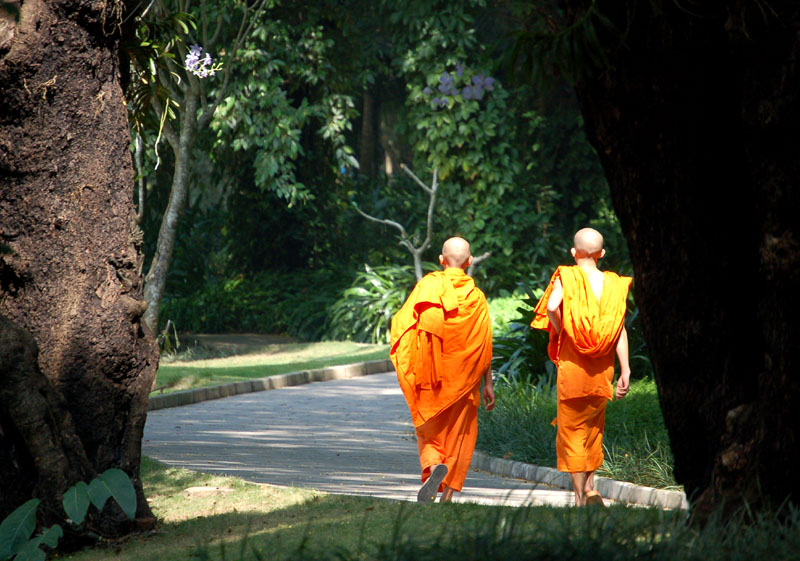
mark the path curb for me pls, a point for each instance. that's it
(610, 488)
(196, 395)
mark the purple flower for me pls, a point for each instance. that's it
(202, 68)
(466, 93)
(459, 70)
(427, 91)
(489, 84)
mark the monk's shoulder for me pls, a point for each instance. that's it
(618, 278)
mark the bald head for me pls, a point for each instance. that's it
(455, 253)
(588, 242)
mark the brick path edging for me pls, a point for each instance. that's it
(616, 490)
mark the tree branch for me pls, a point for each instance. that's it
(413, 176)
(139, 148)
(476, 260)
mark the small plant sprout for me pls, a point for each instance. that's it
(200, 65)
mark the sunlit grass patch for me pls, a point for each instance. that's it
(266, 361)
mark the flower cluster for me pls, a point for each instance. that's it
(473, 89)
(200, 67)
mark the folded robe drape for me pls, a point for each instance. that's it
(584, 355)
(441, 347)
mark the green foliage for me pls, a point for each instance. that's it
(267, 302)
(281, 90)
(540, 533)
(503, 310)
(521, 352)
(364, 311)
(16, 530)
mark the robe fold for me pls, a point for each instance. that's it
(584, 355)
(441, 346)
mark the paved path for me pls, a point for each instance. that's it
(345, 436)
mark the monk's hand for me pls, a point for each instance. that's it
(623, 384)
(488, 397)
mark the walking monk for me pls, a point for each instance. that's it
(583, 308)
(441, 350)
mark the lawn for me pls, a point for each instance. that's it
(266, 360)
(252, 522)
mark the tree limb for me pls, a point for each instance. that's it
(476, 261)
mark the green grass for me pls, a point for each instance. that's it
(635, 438)
(254, 522)
(266, 361)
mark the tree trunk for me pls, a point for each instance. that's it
(73, 279)
(156, 280)
(368, 134)
(695, 123)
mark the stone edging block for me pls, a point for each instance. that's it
(187, 397)
(617, 490)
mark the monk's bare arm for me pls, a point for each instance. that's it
(488, 390)
(623, 384)
(554, 305)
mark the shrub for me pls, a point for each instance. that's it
(266, 302)
(364, 311)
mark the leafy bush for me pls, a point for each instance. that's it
(503, 310)
(266, 302)
(521, 352)
(364, 311)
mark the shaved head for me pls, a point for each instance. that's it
(588, 242)
(455, 253)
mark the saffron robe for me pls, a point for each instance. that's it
(584, 355)
(441, 346)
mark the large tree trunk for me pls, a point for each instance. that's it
(73, 279)
(696, 125)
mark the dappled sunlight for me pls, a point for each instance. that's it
(350, 436)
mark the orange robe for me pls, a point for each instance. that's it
(441, 347)
(584, 356)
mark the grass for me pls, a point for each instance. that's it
(635, 438)
(254, 522)
(265, 361)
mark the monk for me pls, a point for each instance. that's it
(442, 349)
(583, 308)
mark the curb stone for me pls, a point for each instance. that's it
(621, 491)
(617, 490)
(196, 395)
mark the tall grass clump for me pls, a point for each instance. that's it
(636, 442)
(546, 533)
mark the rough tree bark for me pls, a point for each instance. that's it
(696, 122)
(72, 282)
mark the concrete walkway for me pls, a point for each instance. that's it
(351, 436)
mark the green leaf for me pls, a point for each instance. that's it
(52, 535)
(98, 493)
(17, 528)
(31, 552)
(120, 487)
(76, 502)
